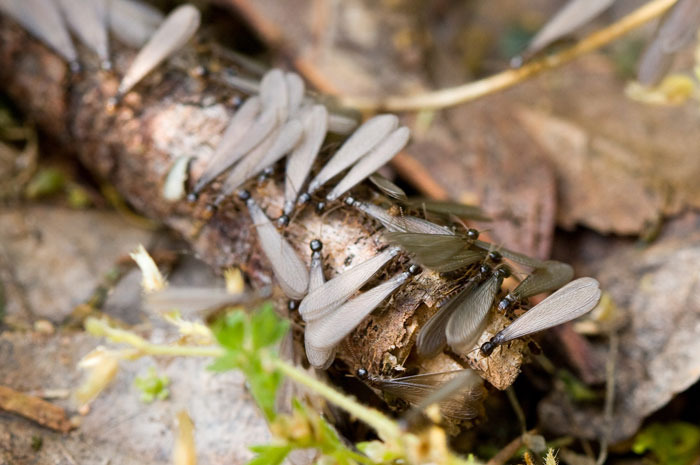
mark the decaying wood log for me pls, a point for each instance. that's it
(177, 111)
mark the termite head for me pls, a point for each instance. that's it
(472, 234)
(316, 245)
(362, 373)
(495, 257)
(292, 305)
(283, 221)
(414, 269)
(244, 195)
(320, 206)
(487, 348)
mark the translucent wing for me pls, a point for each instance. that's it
(328, 331)
(318, 358)
(190, 299)
(301, 160)
(333, 293)
(387, 187)
(511, 255)
(548, 278)
(177, 28)
(88, 19)
(458, 393)
(295, 92)
(375, 159)
(364, 139)
(440, 252)
(273, 93)
(446, 208)
(288, 268)
(431, 338)
(133, 22)
(571, 301)
(400, 223)
(275, 147)
(677, 29)
(42, 18)
(466, 325)
(573, 15)
(227, 152)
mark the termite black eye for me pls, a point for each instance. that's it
(472, 234)
(237, 101)
(361, 373)
(243, 195)
(192, 197)
(487, 348)
(292, 305)
(414, 269)
(503, 272)
(304, 198)
(495, 257)
(484, 269)
(349, 200)
(320, 206)
(269, 171)
(283, 221)
(316, 245)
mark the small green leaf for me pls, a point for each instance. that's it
(267, 327)
(152, 386)
(270, 454)
(263, 386)
(672, 443)
(46, 182)
(229, 361)
(230, 330)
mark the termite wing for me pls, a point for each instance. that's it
(397, 223)
(549, 277)
(461, 400)
(300, 161)
(329, 330)
(568, 303)
(466, 325)
(375, 159)
(318, 358)
(43, 19)
(569, 18)
(175, 31)
(288, 268)
(88, 20)
(133, 22)
(323, 300)
(364, 139)
(387, 187)
(677, 30)
(431, 337)
(440, 252)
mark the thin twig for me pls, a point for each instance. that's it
(471, 91)
(609, 397)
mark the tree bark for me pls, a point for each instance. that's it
(174, 112)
